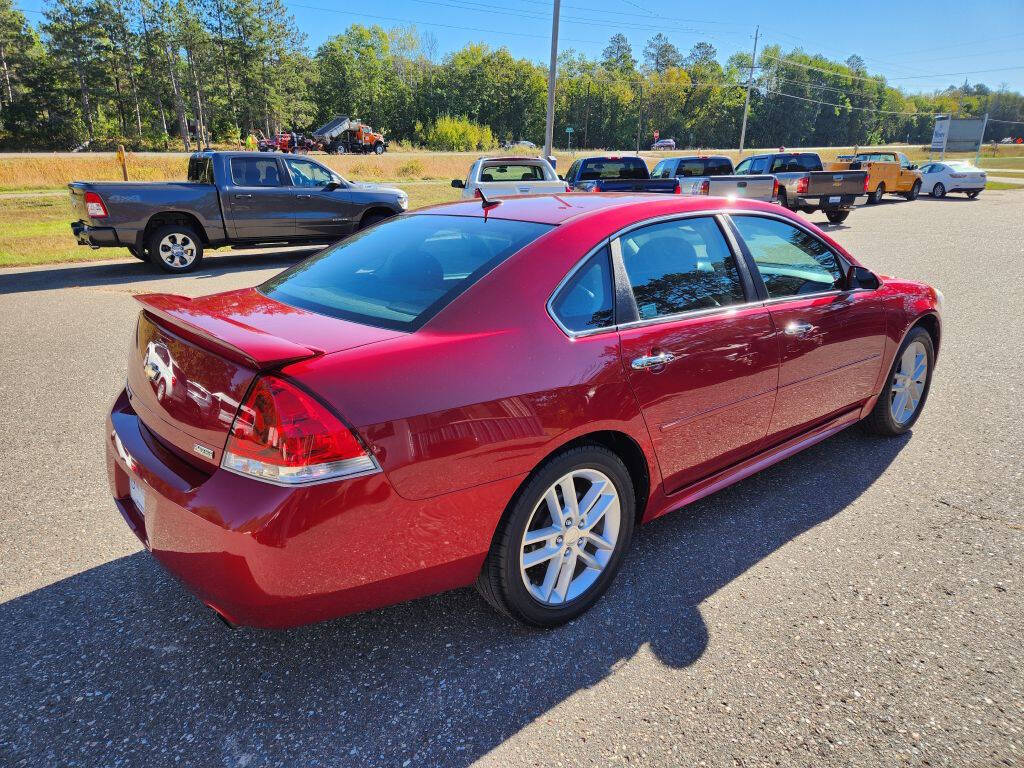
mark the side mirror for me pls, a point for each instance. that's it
(912, 167)
(330, 186)
(861, 277)
(561, 177)
(458, 183)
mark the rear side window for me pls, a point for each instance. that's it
(402, 272)
(511, 172)
(255, 172)
(791, 260)
(586, 303)
(679, 266)
(200, 169)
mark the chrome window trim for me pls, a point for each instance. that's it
(689, 314)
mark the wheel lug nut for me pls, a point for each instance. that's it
(582, 522)
(559, 541)
(568, 522)
(567, 552)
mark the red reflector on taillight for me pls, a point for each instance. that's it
(705, 187)
(285, 435)
(801, 184)
(94, 206)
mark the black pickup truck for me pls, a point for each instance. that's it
(616, 174)
(805, 186)
(230, 198)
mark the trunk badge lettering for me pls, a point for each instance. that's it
(202, 450)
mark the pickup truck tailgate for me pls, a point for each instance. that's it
(831, 183)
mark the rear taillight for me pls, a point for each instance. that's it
(284, 435)
(867, 183)
(94, 206)
(705, 187)
(679, 188)
(775, 189)
(801, 185)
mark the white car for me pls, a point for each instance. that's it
(506, 176)
(952, 176)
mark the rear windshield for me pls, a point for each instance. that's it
(402, 272)
(619, 168)
(512, 172)
(691, 167)
(795, 163)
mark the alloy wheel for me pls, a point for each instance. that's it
(177, 250)
(570, 537)
(908, 383)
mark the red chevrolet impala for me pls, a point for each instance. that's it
(496, 393)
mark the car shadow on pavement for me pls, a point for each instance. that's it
(118, 665)
(84, 275)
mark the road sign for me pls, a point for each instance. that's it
(570, 129)
(940, 133)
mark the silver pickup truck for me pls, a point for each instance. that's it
(805, 186)
(713, 175)
(505, 176)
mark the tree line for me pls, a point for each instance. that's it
(157, 74)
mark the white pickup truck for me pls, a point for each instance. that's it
(506, 176)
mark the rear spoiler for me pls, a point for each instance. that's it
(240, 343)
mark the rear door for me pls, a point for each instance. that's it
(260, 202)
(320, 213)
(830, 340)
(701, 356)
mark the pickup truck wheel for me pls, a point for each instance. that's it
(782, 199)
(914, 191)
(836, 217)
(175, 248)
(876, 196)
(939, 190)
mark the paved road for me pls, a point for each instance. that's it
(860, 604)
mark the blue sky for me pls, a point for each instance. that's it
(920, 46)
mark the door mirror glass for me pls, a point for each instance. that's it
(331, 186)
(458, 183)
(861, 277)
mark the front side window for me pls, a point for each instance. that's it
(401, 272)
(586, 302)
(904, 160)
(306, 173)
(662, 170)
(791, 260)
(255, 172)
(743, 167)
(680, 266)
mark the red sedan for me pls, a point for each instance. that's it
(496, 393)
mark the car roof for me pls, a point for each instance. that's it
(559, 209)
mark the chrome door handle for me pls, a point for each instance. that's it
(303, 197)
(243, 197)
(798, 328)
(652, 361)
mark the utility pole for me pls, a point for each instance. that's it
(549, 127)
(750, 83)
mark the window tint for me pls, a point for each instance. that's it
(677, 266)
(718, 166)
(255, 172)
(586, 301)
(759, 165)
(402, 272)
(791, 261)
(620, 168)
(795, 163)
(511, 172)
(306, 173)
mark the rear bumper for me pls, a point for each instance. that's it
(825, 203)
(268, 556)
(96, 237)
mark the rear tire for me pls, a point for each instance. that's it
(175, 248)
(939, 190)
(782, 198)
(876, 197)
(568, 566)
(889, 417)
(836, 217)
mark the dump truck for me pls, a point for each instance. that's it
(343, 134)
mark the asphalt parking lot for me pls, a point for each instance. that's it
(861, 603)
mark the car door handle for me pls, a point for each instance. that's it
(243, 197)
(303, 197)
(652, 361)
(798, 328)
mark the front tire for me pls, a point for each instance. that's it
(914, 191)
(175, 248)
(562, 541)
(906, 389)
(973, 194)
(939, 190)
(836, 217)
(378, 148)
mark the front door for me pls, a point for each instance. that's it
(259, 205)
(320, 213)
(830, 339)
(702, 358)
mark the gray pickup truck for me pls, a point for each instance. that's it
(805, 186)
(713, 175)
(230, 198)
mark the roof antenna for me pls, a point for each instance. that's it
(484, 202)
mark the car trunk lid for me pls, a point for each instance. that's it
(193, 360)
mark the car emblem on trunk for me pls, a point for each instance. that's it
(202, 450)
